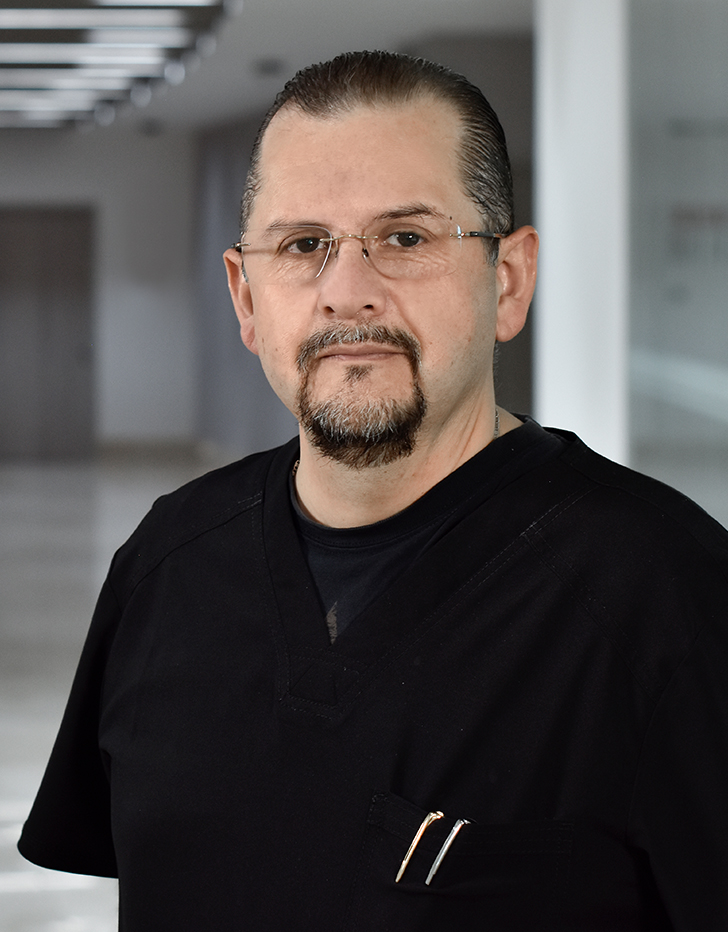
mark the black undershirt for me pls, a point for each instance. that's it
(352, 566)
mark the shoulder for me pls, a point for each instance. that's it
(646, 564)
(629, 506)
(196, 508)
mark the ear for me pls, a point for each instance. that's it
(242, 301)
(516, 280)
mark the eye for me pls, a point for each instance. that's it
(405, 239)
(305, 243)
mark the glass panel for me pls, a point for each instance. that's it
(679, 227)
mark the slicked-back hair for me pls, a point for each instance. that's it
(357, 79)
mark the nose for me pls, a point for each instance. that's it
(349, 287)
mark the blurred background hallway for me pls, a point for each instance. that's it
(122, 374)
(59, 527)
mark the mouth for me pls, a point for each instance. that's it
(360, 344)
(359, 352)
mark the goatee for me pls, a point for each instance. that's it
(359, 432)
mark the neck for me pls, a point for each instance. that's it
(339, 496)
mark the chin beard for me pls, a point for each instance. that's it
(353, 431)
(363, 433)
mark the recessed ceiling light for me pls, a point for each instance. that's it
(20, 53)
(12, 120)
(89, 19)
(174, 72)
(153, 38)
(126, 3)
(104, 114)
(60, 78)
(141, 94)
(49, 100)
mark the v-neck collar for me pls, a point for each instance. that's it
(324, 677)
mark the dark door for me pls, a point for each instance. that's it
(46, 342)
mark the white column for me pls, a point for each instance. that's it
(582, 171)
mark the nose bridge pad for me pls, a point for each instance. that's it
(326, 257)
(334, 245)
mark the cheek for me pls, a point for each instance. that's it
(278, 350)
(275, 334)
(459, 342)
(278, 353)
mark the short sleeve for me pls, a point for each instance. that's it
(69, 826)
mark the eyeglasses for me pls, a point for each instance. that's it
(397, 249)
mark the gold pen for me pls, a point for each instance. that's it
(426, 823)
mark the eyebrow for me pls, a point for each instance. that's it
(400, 212)
(281, 226)
(410, 210)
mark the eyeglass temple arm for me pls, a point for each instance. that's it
(480, 233)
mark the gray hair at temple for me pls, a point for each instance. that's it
(379, 78)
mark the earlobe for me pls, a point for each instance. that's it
(516, 281)
(242, 301)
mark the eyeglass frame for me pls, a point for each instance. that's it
(330, 240)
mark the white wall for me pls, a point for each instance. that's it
(141, 189)
(679, 72)
(679, 280)
(582, 179)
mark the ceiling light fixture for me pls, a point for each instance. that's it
(74, 79)
(78, 63)
(76, 53)
(89, 19)
(158, 3)
(140, 38)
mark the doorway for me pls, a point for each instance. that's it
(46, 333)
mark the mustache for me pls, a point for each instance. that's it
(341, 335)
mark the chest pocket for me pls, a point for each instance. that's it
(502, 878)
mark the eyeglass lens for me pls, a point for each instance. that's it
(396, 249)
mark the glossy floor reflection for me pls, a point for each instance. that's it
(59, 526)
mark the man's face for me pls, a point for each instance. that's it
(371, 364)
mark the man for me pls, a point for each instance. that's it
(426, 667)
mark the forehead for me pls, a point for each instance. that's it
(350, 166)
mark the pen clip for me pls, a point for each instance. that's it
(426, 823)
(445, 848)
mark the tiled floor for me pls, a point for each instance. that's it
(59, 526)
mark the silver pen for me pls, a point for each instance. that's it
(445, 848)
